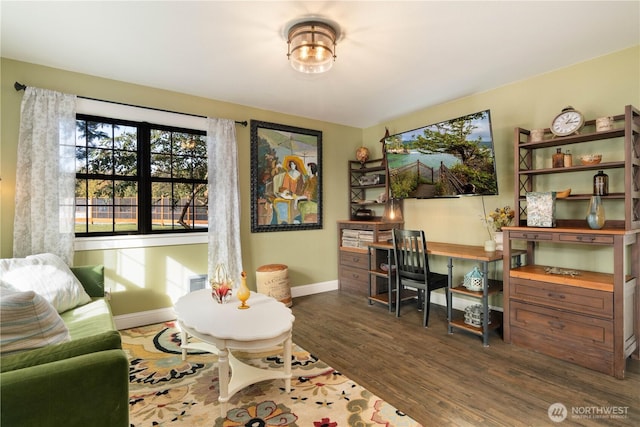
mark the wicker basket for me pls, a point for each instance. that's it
(473, 315)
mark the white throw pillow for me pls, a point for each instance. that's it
(28, 321)
(46, 275)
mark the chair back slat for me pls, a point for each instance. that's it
(410, 248)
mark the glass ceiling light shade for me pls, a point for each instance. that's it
(312, 46)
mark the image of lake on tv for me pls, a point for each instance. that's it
(396, 161)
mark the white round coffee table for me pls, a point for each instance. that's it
(221, 327)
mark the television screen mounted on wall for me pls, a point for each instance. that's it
(451, 158)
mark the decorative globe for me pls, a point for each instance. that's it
(362, 154)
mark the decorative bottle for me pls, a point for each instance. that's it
(600, 184)
(595, 216)
(243, 291)
(557, 159)
(568, 159)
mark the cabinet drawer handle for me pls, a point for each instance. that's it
(528, 236)
(586, 238)
(355, 259)
(556, 324)
(555, 295)
(355, 276)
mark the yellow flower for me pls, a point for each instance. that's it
(501, 217)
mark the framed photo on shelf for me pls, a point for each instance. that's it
(286, 178)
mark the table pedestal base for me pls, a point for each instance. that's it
(242, 375)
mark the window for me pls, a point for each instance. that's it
(139, 178)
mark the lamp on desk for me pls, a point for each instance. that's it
(393, 210)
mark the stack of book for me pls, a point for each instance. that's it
(357, 238)
(385, 236)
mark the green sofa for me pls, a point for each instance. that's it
(81, 382)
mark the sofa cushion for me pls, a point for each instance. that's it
(89, 319)
(28, 321)
(47, 275)
(91, 328)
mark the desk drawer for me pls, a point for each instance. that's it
(531, 235)
(580, 300)
(586, 238)
(355, 259)
(570, 330)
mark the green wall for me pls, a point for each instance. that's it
(599, 87)
(149, 278)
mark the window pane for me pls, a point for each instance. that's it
(125, 138)
(81, 206)
(100, 161)
(99, 135)
(160, 166)
(162, 211)
(201, 208)
(101, 220)
(81, 160)
(189, 202)
(126, 163)
(126, 206)
(160, 141)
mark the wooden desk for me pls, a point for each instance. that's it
(451, 251)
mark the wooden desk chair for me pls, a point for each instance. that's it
(412, 269)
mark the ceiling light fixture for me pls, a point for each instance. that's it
(312, 46)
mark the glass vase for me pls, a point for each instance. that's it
(595, 216)
(243, 293)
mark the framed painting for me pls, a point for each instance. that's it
(286, 178)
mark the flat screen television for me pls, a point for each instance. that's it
(452, 158)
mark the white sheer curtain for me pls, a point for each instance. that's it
(45, 175)
(224, 198)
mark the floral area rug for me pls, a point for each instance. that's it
(164, 390)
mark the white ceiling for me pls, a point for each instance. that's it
(393, 57)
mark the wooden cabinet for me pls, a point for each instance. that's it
(586, 317)
(354, 238)
(367, 181)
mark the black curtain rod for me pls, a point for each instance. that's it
(19, 86)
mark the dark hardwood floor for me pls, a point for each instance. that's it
(442, 379)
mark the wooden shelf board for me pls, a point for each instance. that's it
(458, 322)
(575, 139)
(495, 286)
(576, 168)
(384, 297)
(350, 249)
(584, 279)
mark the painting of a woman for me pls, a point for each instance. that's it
(293, 181)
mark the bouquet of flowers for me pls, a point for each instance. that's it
(501, 217)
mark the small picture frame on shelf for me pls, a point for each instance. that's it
(541, 209)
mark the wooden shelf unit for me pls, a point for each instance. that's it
(365, 196)
(589, 318)
(626, 133)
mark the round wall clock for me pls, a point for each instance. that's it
(567, 122)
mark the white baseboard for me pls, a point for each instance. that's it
(132, 320)
(314, 288)
(149, 317)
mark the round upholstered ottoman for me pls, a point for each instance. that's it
(273, 280)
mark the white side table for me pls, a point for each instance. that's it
(221, 327)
